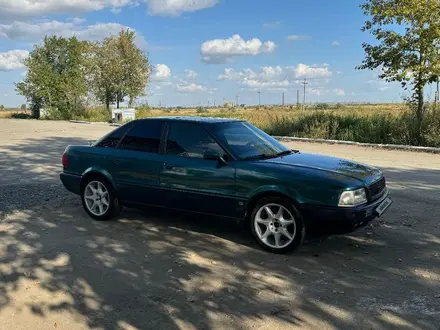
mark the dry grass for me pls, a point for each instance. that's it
(11, 113)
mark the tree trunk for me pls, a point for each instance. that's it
(107, 100)
(420, 112)
(117, 100)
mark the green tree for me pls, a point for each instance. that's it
(23, 107)
(56, 76)
(2, 107)
(121, 69)
(408, 32)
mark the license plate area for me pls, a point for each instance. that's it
(384, 206)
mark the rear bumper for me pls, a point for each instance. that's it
(71, 182)
(339, 220)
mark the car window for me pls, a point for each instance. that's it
(190, 140)
(145, 136)
(245, 140)
(112, 139)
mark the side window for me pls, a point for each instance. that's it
(145, 136)
(190, 140)
(112, 140)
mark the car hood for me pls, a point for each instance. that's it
(345, 167)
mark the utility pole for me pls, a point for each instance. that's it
(283, 99)
(297, 97)
(305, 83)
(259, 98)
(214, 103)
(237, 99)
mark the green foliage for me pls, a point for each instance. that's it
(121, 69)
(23, 107)
(2, 107)
(56, 76)
(408, 54)
(201, 110)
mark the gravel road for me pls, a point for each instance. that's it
(161, 270)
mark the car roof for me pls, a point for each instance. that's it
(195, 119)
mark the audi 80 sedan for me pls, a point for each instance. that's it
(228, 168)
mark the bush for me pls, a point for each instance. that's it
(201, 110)
(20, 115)
(143, 111)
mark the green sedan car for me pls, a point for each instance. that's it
(227, 168)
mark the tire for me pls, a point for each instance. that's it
(287, 224)
(95, 203)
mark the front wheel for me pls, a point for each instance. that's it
(98, 199)
(277, 225)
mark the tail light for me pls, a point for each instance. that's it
(65, 160)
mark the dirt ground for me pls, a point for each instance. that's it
(161, 270)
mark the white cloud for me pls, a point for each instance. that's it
(11, 9)
(336, 43)
(36, 31)
(339, 92)
(190, 88)
(295, 37)
(378, 84)
(277, 73)
(177, 7)
(190, 74)
(13, 59)
(305, 71)
(265, 84)
(272, 25)
(276, 77)
(314, 91)
(161, 72)
(223, 50)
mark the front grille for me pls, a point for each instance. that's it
(376, 189)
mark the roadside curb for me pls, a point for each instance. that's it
(94, 122)
(359, 144)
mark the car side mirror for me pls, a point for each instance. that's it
(212, 155)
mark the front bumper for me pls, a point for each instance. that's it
(339, 220)
(71, 182)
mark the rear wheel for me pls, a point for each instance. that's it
(277, 225)
(98, 199)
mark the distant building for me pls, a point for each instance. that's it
(123, 114)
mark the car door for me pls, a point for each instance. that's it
(192, 182)
(138, 162)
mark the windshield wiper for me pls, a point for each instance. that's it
(254, 157)
(284, 153)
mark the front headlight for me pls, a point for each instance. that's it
(353, 198)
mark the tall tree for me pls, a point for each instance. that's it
(122, 69)
(408, 32)
(56, 75)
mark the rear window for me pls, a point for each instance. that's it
(111, 140)
(145, 136)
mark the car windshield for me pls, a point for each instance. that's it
(248, 142)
